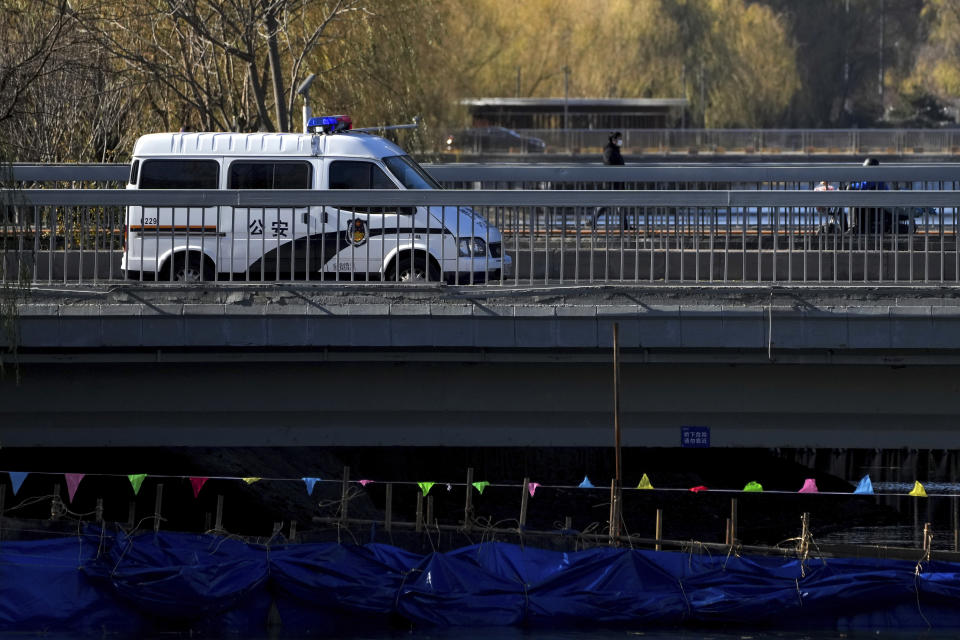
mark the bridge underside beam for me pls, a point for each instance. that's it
(563, 403)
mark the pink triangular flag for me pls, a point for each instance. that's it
(364, 483)
(809, 486)
(197, 484)
(73, 481)
(532, 487)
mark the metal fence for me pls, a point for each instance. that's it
(550, 237)
(719, 142)
(766, 176)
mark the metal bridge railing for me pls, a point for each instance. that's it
(80, 236)
(718, 142)
(782, 177)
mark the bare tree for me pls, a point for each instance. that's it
(224, 59)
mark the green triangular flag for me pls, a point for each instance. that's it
(425, 487)
(136, 479)
(754, 487)
(480, 486)
(644, 483)
(918, 490)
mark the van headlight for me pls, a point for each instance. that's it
(470, 247)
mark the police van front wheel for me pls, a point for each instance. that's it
(414, 269)
(191, 267)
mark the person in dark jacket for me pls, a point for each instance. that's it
(611, 152)
(612, 157)
(870, 219)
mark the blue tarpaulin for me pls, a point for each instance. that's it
(102, 581)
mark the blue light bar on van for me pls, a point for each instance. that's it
(329, 124)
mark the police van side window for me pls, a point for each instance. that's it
(179, 174)
(270, 175)
(349, 174)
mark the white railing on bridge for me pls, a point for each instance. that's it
(773, 142)
(905, 176)
(577, 237)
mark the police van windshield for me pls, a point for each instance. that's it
(410, 173)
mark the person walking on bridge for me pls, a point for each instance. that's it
(611, 152)
(611, 157)
(870, 219)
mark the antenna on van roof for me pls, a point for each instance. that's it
(304, 90)
(415, 124)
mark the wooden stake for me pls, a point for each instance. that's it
(132, 514)
(613, 510)
(523, 503)
(568, 523)
(55, 504)
(419, 526)
(429, 519)
(618, 461)
(98, 512)
(733, 521)
(293, 531)
(388, 512)
(207, 520)
(219, 521)
(343, 495)
(468, 503)
(804, 544)
(956, 524)
(658, 530)
(157, 504)
(728, 534)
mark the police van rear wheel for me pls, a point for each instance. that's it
(192, 268)
(417, 269)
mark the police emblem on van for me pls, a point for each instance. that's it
(357, 232)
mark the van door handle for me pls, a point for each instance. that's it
(306, 218)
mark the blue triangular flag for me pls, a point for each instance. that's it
(310, 482)
(586, 484)
(17, 478)
(865, 485)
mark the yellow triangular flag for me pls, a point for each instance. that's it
(644, 483)
(918, 490)
(251, 480)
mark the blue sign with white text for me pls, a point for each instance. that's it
(696, 437)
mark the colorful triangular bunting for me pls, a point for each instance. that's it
(310, 482)
(425, 487)
(73, 481)
(16, 479)
(586, 484)
(197, 484)
(136, 480)
(918, 490)
(809, 486)
(865, 486)
(481, 485)
(753, 487)
(698, 488)
(532, 487)
(644, 483)
(364, 483)
(251, 479)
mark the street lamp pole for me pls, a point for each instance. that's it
(566, 106)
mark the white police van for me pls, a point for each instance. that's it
(435, 243)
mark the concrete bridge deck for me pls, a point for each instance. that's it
(433, 365)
